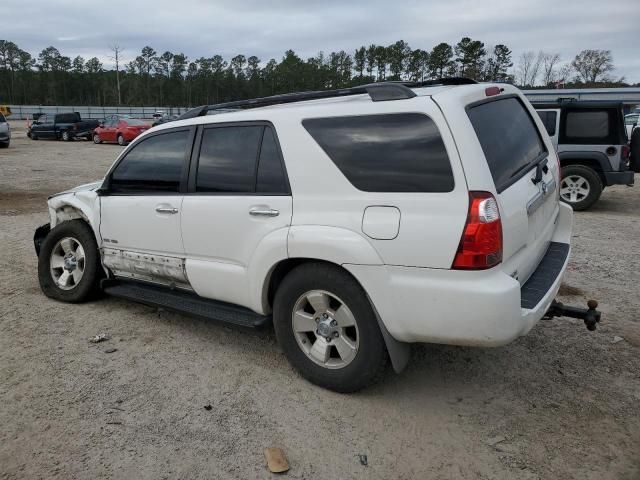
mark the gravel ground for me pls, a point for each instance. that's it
(559, 403)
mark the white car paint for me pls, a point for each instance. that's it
(401, 254)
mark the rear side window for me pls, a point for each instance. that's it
(271, 177)
(240, 159)
(401, 152)
(592, 126)
(587, 124)
(153, 165)
(67, 118)
(549, 120)
(509, 139)
(228, 159)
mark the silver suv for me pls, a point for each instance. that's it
(592, 146)
(5, 132)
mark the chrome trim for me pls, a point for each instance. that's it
(537, 200)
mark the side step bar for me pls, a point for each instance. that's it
(184, 302)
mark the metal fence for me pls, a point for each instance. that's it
(22, 112)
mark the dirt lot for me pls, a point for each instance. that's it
(559, 403)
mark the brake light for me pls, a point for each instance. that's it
(624, 152)
(481, 243)
(491, 91)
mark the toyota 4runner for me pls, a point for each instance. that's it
(357, 220)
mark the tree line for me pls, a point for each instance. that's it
(172, 79)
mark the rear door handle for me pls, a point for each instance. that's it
(264, 212)
(166, 209)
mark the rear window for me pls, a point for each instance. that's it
(549, 120)
(509, 139)
(401, 152)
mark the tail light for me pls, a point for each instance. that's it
(624, 153)
(481, 243)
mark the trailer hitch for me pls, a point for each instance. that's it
(590, 315)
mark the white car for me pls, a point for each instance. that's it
(359, 221)
(5, 132)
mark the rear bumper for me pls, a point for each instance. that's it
(619, 178)
(481, 308)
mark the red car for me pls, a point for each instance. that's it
(120, 130)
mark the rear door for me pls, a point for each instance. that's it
(526, 179)
(238, 208)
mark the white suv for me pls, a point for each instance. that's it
(358, 221)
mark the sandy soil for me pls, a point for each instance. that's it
(559, 403)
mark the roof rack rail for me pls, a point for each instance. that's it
(379, 92)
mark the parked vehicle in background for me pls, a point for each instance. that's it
(5, 110)
(592, 146)
(5, 132)
(62, 126)
(630, 122)
(157, 115)
(422, 214)
(119, 130)
(165, 119)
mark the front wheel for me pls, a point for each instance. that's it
(580, 187)
(69, 263)
(121, 141)
(96, 139)
(327, 328)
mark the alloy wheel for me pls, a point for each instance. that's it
(574, 188)
(67, 263)
(325, 329)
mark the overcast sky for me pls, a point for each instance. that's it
(268, 28)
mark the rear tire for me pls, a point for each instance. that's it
(96, 139)
(351, 354)
(121, 141)
(580, 186)
(4, 145)
(69, 263)
(66, 136)
(33, 136)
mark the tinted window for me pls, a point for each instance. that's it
(581, 124)
(133, 121)
(271, 176)
(2, 120)
(549, 121)
(228, 158)
(509, 139)
(386, 153)
(153, 165)
(67, 118)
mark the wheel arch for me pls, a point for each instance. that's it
(399, 352)
(77, 205)
(597, 161)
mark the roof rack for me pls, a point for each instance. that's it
(379, 92)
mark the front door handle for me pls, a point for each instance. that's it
(264, 212)
(166, 209)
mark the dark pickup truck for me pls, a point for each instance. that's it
(62, 126)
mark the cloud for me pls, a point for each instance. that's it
(266, 29)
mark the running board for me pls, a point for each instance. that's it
(184, 302)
